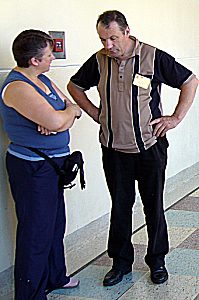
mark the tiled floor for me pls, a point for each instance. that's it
(182, 263)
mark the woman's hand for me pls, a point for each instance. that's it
(45, 131)
(73, 108)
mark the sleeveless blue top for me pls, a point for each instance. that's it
(23, 132)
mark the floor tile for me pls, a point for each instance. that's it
(91, 284)
(9, 296)
(7, 284)
(183, 262)
(139, 263)
(63, 297)
(180, 218)
(188, 203)
(176, 288)
(177, 235)
(103, 260)
(191, 242)
(140, 237)
(195, 194)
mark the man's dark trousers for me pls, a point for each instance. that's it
(121, 171)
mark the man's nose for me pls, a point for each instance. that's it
(108, 44)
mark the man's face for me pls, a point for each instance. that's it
(113, 39)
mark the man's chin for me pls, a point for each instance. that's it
(113, 54)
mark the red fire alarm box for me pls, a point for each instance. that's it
(58, 45)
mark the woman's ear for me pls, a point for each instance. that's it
(34, 61)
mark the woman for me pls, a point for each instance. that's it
(37, 114)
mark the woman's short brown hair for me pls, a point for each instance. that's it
(30, 43)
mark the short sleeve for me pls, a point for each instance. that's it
(168, 71)
(88, 75)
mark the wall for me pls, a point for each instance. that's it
(171, 25)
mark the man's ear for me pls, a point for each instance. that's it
(127, 31)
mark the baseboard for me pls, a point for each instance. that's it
(181, 184)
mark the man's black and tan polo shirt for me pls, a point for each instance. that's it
(130, 93)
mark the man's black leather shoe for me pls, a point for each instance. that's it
(159, 275)
(114, 276)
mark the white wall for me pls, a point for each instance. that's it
(172, 25)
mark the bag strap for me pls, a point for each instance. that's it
(51, 161)
(81, 169)
(56, 167)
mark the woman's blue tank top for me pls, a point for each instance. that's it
(23, 133)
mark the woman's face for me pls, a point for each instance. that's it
(45, 61)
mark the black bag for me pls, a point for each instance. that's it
(72, 164)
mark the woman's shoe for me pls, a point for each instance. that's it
(73, 283)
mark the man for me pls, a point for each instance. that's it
(128, 75)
